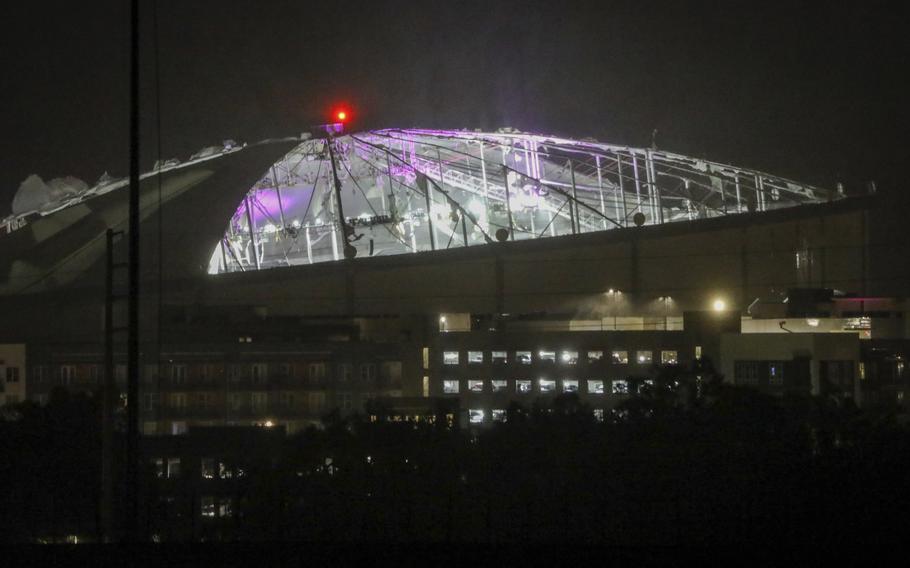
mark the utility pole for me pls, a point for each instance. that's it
(131, 509)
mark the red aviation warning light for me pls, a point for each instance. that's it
(341, 115)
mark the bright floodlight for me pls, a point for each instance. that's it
(719, 305)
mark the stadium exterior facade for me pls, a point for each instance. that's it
(452, 269)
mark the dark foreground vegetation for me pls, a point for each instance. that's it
(729, 465)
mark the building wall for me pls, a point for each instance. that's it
(816, 349)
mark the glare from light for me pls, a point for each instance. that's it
(269, 424)
(442, 319)
(812, 322)
(719, 305)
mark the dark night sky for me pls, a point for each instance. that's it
(809, 90)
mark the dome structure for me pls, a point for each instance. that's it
(398, 191)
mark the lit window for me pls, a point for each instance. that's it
(570, 386)
(547, 385)
(499, 357)
(450, 387)
(595, 387)
(426, 357)
(569, 357)
(475, 416)
(599, 414)
(173, 468)
(499, 385)
(426, 386)
(225, 472)
(207, 506)
(450, 357)
(595, 355)
(523, 357)
(547, 356)
(475, 357)
(668, 358)
(158, 467)
(475, 386)
(698, 351)
(149, 428)
(643, 357)
(178, 428)
(523, 386)
(208, 468)
(225, 508)
(620, 357)
(498, 415)
(620, 387)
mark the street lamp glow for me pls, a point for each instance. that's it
(719, 305)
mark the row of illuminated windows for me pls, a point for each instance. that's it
(169, 468)
(526, 386)
(479, 415)
(566, 357)
(211, 507)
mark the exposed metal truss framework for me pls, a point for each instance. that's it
(422, 190)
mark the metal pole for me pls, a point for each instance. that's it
(278, 193)
(342, 225)
(131, 509)
(505, 175)
(622, 192)
(637, 182)
(393, 205)
(657, 209)
(600, 188)
(107, 400)
(224, 261)
(426, 194)
(739, 199)
(573, 207)
(309, 245)
(252, 230)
